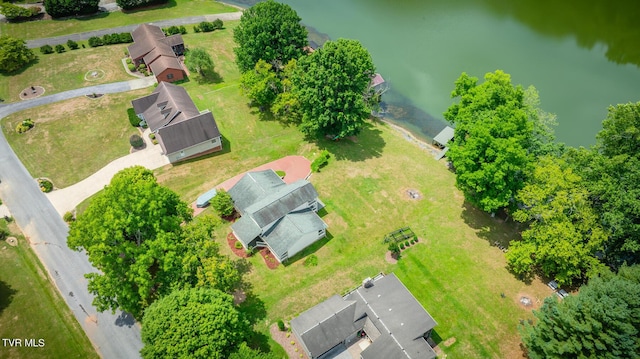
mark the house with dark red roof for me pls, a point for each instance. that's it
(158, 52)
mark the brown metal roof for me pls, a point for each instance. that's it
(148, 37)
(163, 63)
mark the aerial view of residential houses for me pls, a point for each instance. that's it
(195, 179)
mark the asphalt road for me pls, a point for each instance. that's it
(163, 23)
(113, 335)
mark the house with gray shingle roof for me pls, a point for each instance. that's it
(276, 215)
(182, 131)
(158, 52)
(381, 317)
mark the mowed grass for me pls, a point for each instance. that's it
(454, 271)
(31, 308)
(66, 71)
(73, 139)
(173, 9)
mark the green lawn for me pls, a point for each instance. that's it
(74, 138)
(30, 308)
(66, 71)
(173, 9)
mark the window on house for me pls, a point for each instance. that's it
(169, 76)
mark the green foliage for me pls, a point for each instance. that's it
(281, 326)
(25, 125)
(394, 248)
(222, 203)
(72, 45)
(130, 4)
(281, 174)
(62, 8)
(206, 26)
(261, 85)
(45, 185)
(68, 217)
(321, 161)
(238, 245)
(601, 321)
(46, 49)
(330, 85)
(134, 120)
(620, 132)
(402, 246)
(60, 48)
(136, 141)
(95, 41)
(269, 31)
(311, 261)
(199, 60)
(192, 323)
(14, 12)
(244, 352)
(131, 67)
(14, 54)
(564, 232)
(492, 151)
(131, 232)
(172, 30)
(217, 24)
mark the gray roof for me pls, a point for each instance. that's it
(326, 325)
(277, 204)
(253, 186)
(392, 309)
(444, 136)
(171, 113)
(290, 228)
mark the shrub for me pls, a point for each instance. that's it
(401, 246)
(206, 26)
(3, 234)
(0, 202)
(60, 49)
(136, 141)
(155, 142)
(321, 161)
(95, 41)
(217, 24)
(152, 136)
(281, 174)
(46, 49)
(171, 30)
(130, 4)
(60, 8)
(72, 45)
(311, 261)
(109, 39)
(281, 325)
(134, 120)
(25, 126)
(293, 343)
(183, 30)
(14, 12)
(394, 249)
(128, 61)
(125, 37)
(222, 203)
(35, 10)
(238, 245)
(68, 217)
(406, 244)
(142, 67)
(45, 185)
(413, 241)
(196, 29)
(131, 67)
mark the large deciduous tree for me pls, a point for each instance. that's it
(601, 321)
(61, 8)
(269, 31)
(494, 144)
(193, 323)
(199, 60)
(14, 54)
(564, 233)
(244, 352)
(331, 86)
(131, 233)
(620, 134)
(261, 85)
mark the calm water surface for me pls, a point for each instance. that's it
(582, 56)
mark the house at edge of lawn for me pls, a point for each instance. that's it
(382, 318)
(182, 131)
(276, 215)
(159, 52)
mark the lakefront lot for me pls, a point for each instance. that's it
(454, 271)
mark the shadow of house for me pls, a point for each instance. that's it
(276, 215)
(158, 52)
(182, 131)
(382, 313)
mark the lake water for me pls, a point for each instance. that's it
(582, 56)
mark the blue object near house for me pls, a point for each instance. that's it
(204, 199)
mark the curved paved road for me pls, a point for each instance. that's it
(113, 335)
(162, 23)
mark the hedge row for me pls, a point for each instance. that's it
(206, 26)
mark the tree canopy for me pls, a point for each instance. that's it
(601, 321)
(199, 60)
(269, 31)
(493, 147)
(261, 85)
(131, 233)
(620, 132)
(14, 54)
(564, 232)
(130, 4)
(331, 87)
(192, 323)
(223, 203)
(61, 8)
(244, 352)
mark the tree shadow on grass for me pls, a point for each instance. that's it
(208, 78)
(23, 69)
(309, 250)
(6, 295)
(368, 144)
(254, 310)
(495, 230)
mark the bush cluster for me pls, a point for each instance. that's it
(321, 161)
(311, 261)
(130, 4)
(45, 185)
(46, 49)
(18, 13)
(136, 141)
(238, 245)
(68, 217)
(25, 126)
(72, 45)
(134, 120)
(111, 39)
(61, 8)
(173, 30)
(281, 325)
(60, 48)
(207, 26)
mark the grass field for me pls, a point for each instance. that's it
(30, 308)
(66, 71)
(173, 9)
(74, 138)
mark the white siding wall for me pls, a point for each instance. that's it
(194, 150)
